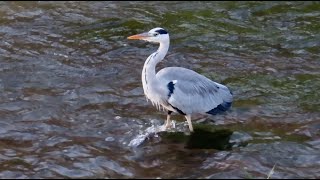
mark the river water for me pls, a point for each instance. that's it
(72, 104)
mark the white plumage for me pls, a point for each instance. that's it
(179, 89)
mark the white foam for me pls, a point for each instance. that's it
(150, 131)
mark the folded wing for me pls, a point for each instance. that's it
(191, 92)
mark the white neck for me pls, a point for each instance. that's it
(149, 68)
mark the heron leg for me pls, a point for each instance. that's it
(168, 122)
(188, 117)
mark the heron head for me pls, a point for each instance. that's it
(157, 35)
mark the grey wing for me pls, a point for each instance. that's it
(191, 92)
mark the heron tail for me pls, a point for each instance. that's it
(220, 108)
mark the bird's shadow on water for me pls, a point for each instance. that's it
(200, 139)
(205, 136)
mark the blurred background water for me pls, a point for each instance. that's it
(72, 99)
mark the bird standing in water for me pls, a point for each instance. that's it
(179, 89)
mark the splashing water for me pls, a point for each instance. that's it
(150, 131)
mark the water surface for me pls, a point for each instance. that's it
(72, 98)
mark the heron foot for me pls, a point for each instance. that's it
(170, 125)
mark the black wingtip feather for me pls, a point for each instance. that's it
(220, 108)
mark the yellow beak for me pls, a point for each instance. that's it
(139, 36)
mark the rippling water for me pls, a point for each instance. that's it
(72, 103)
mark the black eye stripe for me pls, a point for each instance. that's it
(162, 31)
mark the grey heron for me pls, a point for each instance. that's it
(178, 89)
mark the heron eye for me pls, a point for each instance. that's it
(155, 34)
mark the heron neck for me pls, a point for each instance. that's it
(149, 68)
